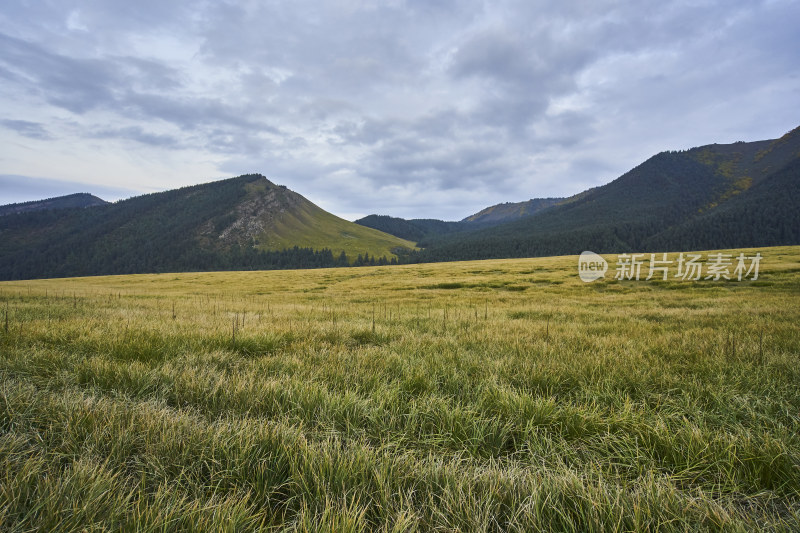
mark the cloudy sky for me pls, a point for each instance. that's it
(412, 108)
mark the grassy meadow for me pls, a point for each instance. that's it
(502, 395)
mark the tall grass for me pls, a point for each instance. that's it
(478, 396)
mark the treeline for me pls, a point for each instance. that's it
(239, 258)
(181, 259)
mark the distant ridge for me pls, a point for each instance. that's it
(415, 229)
(81, 199)
(510, 211)
(420, 230)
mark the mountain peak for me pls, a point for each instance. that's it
(274, 217)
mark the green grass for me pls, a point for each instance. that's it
(479, 396)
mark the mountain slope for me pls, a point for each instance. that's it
(507, 212)
(415, 229)
(768, 213)
(239, 223)
(637, 210)
(272, 217)
(60, 202)
(421, 230)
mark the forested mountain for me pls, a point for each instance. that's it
(729, 195)
(422, 230)
(60, 202)
(240, 223)
(768, 214)
(416, 229)
(510, 211)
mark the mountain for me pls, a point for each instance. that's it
(61, 202)
(500, 213)
(272, 217)
(240, 223)
(720, 195)
(421, 230)
(417, 229)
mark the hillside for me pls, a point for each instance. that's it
(415, 229)
(272, 217)
(423, 230)
(239, 223)
(61, 202)
(674, 200)
(509, 211)
(768, 213)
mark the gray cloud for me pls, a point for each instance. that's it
(76, 85)
(411, 107)
(33, 130)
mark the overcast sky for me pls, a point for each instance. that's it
(412, 108)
